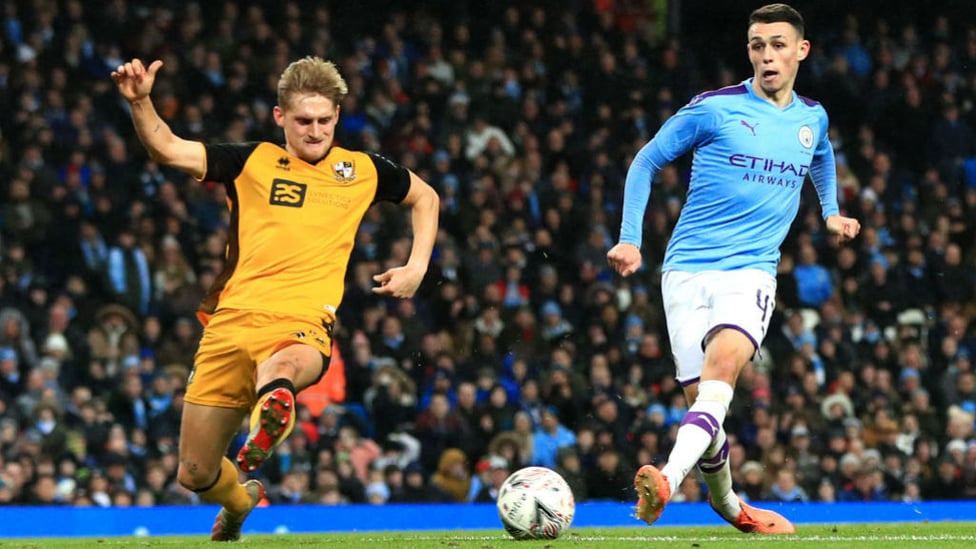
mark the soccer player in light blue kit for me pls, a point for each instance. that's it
(754, 144)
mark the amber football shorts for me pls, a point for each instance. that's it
(235, 342)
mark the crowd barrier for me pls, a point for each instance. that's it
(34, 522)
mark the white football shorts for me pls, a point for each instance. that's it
(696, 304)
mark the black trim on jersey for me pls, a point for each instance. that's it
(392, 180)
(225, 161)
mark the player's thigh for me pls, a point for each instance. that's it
(743, 302)
(302, 363)
(223, 370)
(686, 310)
(299, 346)
(205, 434)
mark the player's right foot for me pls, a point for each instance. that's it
(227, 526)
(761, 521)
(653, 493)
(271, 422)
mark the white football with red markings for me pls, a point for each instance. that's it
(536, 503)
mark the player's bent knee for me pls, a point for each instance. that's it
(196, 479)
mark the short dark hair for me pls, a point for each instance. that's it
(778, 13)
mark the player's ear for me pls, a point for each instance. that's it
(803, 50)
(279, 116)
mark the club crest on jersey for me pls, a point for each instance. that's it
(806, 137)
(345, 171)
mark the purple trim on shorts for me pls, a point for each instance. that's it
(715, 463)
(702, 420)
(735, 327)
(688, 382)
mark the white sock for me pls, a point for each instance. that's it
(717, 473)
(698, 430)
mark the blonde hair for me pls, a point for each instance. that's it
(311, 75)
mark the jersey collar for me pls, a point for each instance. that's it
(793, 96)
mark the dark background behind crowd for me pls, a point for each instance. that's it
(521, 346)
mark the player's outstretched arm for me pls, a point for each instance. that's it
(424, 209)
(134, 82)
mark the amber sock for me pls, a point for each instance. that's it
(227, 491)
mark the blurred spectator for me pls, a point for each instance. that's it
(453, 476)
(813, 282)
(114, 338)
(785, 488)
(438, 428)
(129, 273)
(867, 486)
(361, 451)
(128, 405)
(16, 336)
(549, 438)
(568, 465)
(610, 479)
(498, 471)
(417, 490)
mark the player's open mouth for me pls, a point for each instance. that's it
(769, 75)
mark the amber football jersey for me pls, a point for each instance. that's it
(293, 224)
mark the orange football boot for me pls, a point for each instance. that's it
(653, 493)
(752, 520)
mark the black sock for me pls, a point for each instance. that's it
(275, 384)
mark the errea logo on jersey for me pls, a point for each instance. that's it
(287, 193)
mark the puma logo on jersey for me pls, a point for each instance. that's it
(287, 193)
(752, 128)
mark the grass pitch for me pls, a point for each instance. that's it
(855, 536)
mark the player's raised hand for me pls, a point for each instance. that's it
(134, 80)
(624, 258)
(845, 227)
(399, 282)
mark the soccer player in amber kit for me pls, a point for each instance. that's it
(754, 144)
(295, 210)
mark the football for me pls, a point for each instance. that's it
(536, 503)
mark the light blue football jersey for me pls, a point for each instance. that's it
(750, 160)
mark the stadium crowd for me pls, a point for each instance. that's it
(521, 347)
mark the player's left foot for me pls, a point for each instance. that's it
(271, 422)
(752, 520)
(653, 493)
(227, 526)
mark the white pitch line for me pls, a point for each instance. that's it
(730, 539)
(754, 539)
